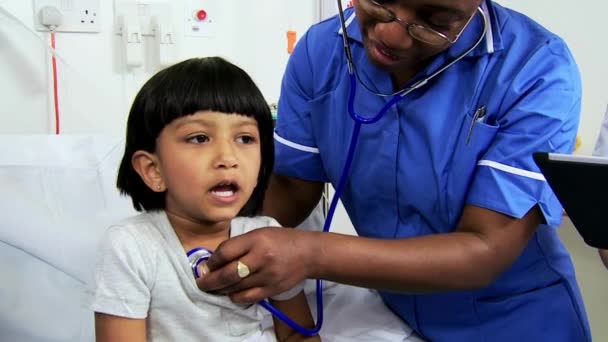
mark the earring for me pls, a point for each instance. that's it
(159, 187)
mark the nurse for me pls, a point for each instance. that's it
(456, 224)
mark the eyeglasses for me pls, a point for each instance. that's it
(419, 32)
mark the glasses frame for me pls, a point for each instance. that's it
(352, 69)
(410, 27)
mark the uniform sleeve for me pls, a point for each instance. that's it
(121, 278)
(296, 152)
(539, 112)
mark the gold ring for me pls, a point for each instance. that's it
(242, 270)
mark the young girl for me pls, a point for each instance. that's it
(199, 152)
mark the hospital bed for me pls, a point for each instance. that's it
(58, 196)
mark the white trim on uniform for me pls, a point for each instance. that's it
(511, 169)
(347, 22)
(294, 145)
(489, 33)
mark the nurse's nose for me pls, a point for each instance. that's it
(225, 156)
(395, 33)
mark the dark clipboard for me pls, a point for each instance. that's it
(581, 185)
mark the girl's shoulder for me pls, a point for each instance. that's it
(135, 231)
(137, 224)
(241, 225)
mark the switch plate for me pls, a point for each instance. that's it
(143, 11)
(76, 15)
(194, 27)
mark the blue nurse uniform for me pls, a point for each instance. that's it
(416, 168)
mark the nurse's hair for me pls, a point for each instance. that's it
(197, 84)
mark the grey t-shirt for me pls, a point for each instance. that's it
(142, 272)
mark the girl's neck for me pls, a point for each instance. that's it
(194, 234)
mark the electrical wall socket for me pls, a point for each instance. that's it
(77, 15)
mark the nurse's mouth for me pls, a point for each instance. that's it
(382, 54)
(388, 54)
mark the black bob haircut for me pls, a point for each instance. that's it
(197, 84)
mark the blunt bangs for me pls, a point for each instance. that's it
(197, 84)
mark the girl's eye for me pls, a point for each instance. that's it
(246, 139)
(198, 139)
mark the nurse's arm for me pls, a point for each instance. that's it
(485, 244)
(290, 200)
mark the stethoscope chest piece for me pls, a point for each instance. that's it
(196, 257)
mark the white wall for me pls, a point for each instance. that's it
(96, 89)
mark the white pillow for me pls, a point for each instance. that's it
(58, 196)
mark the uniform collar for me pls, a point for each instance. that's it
(491, 43)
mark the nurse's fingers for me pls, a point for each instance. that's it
(249, 296)
(247, 291)
(226, 266)
(253, 288)
(274, 257)
(224, 278)
(228, 251)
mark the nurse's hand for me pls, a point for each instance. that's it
(276, 259)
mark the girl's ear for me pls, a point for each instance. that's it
(147, 166)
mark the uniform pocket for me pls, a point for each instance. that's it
(475, 136)
(474, 139)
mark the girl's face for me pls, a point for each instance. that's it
(209, 164)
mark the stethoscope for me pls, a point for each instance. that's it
(199, 255)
